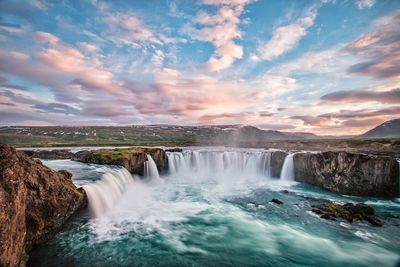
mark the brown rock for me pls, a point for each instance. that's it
(349, 173)
(34, 203)
(348, 212)
(277, 159)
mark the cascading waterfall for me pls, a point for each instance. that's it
(220, 162)
(150, 168)
(287, 173)
(103, 194)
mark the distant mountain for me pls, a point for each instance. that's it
(387, 129)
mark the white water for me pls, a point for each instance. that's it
(220, 163)
(150, 168)
(104, 194)
(287, 173)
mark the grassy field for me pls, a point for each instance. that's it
(177, 136)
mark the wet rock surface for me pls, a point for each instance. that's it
(276, 201)
(349, 212)
(277, 159)
(349, 173)
(34, 204)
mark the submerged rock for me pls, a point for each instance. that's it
(34, 204)
(276, 201)
(348, 212)
(349, 173)
(131, 158)
(50, 154)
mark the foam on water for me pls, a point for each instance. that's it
(213, 209)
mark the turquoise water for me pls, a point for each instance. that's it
(186, 220)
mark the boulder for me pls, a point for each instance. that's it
(34, 204)
(277, 159)
(348, 212)
(349, 173)
(276, 201)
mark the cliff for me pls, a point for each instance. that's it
(349, 173)
(34, 203)
(277, 159)
(131, 158)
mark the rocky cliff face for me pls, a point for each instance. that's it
(277, 159)
(34, 203)
(160, 158)
(131, 158)
(133, 161)
(348, 173)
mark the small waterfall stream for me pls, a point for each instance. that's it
(103, 194)
(287, 173)
(150, 168)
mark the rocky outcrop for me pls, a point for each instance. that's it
(131, 158)
(348, 212)
(34, 203)
(349, 173)
(176, 149)
(50, 154)
(160, 158)
(277, 159)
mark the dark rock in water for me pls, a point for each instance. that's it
(34, 204)
(348, 212)
(277, 159)
(131, 158)
(50, 154)
(285, 191)
(349, 173)
(276, 201)
(176, 149)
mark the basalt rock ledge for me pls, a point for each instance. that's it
(349, 173)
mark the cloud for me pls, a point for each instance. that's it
(360, 96)
(362, 4)
(56, 108)
(367, 123)
(363, 113)
(220, 29)
(23, 9)
(211, 118)
(285, 38)
(381, 48)
(312, 121)
(128, 29)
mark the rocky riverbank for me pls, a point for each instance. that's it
(34, 204)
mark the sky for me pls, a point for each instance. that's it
(329, 67)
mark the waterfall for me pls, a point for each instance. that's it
(104, 194)
(150, 168)
(221, 162)
(287, 173)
